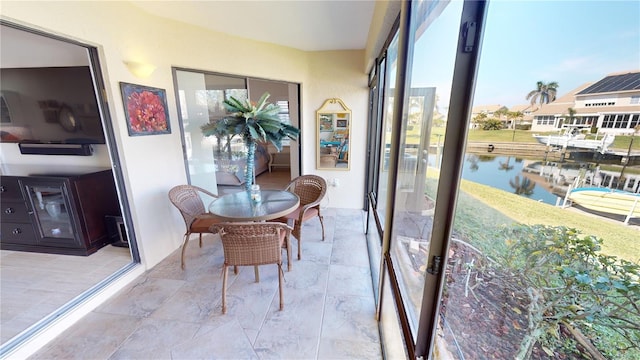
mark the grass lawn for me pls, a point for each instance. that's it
(521, 136)
(618, 239)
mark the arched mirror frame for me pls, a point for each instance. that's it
(333, 128)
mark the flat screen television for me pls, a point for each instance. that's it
(49, 105)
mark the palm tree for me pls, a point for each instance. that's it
(513, 116)
(254, 122)
(572, 116)
(503, 111)
(524, 187)
(505, 165)
(545, 93)
(473, 160)
(479, 119)
(218, 129)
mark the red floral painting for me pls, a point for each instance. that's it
(146, 110)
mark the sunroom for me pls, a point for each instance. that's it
(393, 205)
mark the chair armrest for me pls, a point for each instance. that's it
(304, 209)
(282, 226)
(205, 191)
(208, 216)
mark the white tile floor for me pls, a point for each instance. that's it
(32, 285)
(168, 313)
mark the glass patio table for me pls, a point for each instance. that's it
(240, 207)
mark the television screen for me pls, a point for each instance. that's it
(50, 104)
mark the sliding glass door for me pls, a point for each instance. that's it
(525, 277)
(220, 159)
(39, 288)
(471, 271)
(200, 98)
(432, 39)
(427, 98)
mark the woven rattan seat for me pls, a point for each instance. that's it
(311, 190)
(253, 244)
(196, 218)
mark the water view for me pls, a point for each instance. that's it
(505, 173)
(546, 182)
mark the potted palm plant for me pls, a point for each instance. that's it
(254, 122)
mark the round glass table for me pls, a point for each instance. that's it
(239, 206)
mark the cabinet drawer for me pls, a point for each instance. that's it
(17, 233)
(10, 189)
(14, 212)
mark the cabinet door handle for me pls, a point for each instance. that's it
(9, 211)
(17, 231)
(2, 188)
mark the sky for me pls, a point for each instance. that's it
(569, 42)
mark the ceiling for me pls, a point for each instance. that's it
(308, 25)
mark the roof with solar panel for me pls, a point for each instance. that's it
(614, 83)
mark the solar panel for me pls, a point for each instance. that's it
(614, 83)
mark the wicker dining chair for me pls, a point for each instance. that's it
(196, 218)
(253, 244)
(311, 190)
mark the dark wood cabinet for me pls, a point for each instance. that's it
(16, 223)
(62, 213)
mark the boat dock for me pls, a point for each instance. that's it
(618, 156)
(512, 148)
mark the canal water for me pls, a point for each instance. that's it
(505, 173)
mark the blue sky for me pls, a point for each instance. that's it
(570, 42)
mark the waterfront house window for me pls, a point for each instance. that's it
(590, 120)
(624, 120)
(545, 120)
(608, 121)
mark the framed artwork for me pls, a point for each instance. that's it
(341, 123)
(326, 122)
(146, 110)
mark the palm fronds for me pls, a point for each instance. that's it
(255, 122)
(544, 92)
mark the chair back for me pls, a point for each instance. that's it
(254, 243)
(188, 201)
(309, 188)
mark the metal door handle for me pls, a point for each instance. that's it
(17, 231)
(9, 211)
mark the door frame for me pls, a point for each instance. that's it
(107, 126)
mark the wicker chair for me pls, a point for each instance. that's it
(196, 219)
(311, 190)
(253, 244)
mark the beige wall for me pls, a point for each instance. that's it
(122, 32)
(348, 83)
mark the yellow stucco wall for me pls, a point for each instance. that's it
(153, 164)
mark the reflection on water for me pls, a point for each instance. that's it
(505, 173)
(542, 181)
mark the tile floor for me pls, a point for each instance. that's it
(168, 313)
(32, 285)
(27, 279)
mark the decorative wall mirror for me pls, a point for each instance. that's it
(334, 125)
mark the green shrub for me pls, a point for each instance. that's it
(569, 283)
(492, 124)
